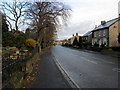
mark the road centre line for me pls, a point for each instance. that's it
(85, 59)
(93, 58)
(116, 69)
(89, 60)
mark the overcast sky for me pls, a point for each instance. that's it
(86, 14)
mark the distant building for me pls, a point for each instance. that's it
(106, 34)
(58, 42)
(64, 42)
(75, 37)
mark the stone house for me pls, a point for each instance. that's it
(63, 42)
(58, 42)
(106, 34)
(71, 40)
(87, 39)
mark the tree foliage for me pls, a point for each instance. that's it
(4, 24)
(8, 39)
(30, 43)
(43, 19)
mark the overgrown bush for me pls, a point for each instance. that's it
(10, 39)
(30, 43)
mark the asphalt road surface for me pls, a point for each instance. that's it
(88, 69)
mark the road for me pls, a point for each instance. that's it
(88, 69)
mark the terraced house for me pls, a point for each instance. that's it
(106, 34)
(87, 39)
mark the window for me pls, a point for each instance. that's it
(99, 33)
(114, 26)
(94, 34)
(104, 31)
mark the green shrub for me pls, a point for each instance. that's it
(30, 43)
(23, 48)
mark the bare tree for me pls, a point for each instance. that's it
(14, 11)
(45, 17)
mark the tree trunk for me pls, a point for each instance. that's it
(39, 46)
(16, 26)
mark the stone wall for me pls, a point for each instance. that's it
(114, 31)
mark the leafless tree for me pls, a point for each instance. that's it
(14, 11)
(45, 17)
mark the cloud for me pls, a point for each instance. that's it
(88, 13)
(74, 28)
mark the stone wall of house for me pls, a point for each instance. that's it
(119, 30)
(114, 31)
(100, 37)
(90, 38)
(72, 39)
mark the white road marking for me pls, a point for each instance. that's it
(91, 60)
(66, 73)
(103, 60)
(86, 59)
(116, 69)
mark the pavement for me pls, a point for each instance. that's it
(48, 74)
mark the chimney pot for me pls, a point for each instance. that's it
(76, 34)
(103, 22)
(95, 26)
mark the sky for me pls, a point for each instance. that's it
(86, 14)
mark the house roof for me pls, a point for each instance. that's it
(86, 34)
(107, 24)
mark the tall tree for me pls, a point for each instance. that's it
(14, 12)
(4, 24)
(45, 17)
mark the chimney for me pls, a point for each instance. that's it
(103, 22)
(76, 34)
(95, 26)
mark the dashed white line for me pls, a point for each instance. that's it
(87, 59)
(116, 69)
(93, 58)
